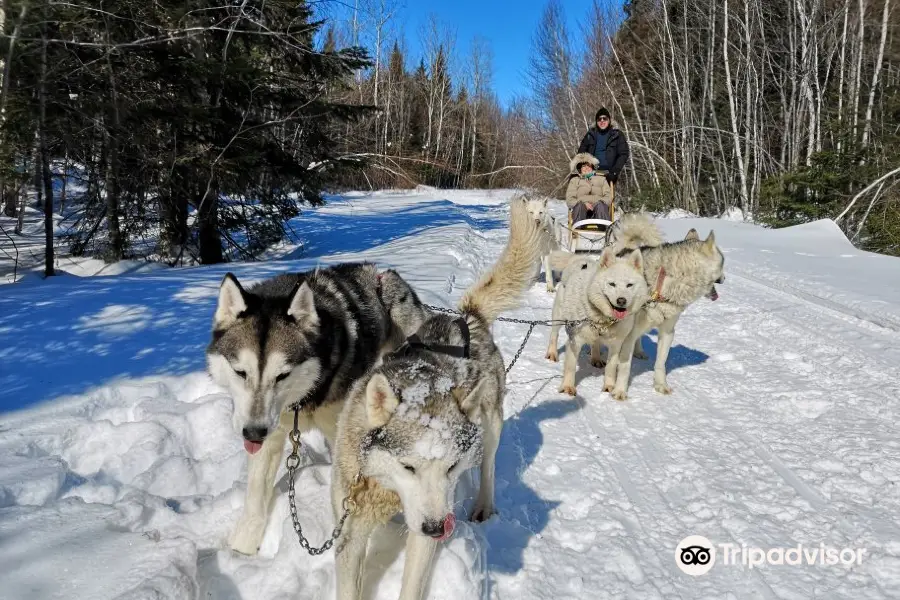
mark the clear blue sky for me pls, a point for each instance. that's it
(507, 25)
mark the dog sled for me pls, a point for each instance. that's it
(588, 235)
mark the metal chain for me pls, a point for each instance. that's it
(531, 326)
(545, 322)
(293, 461)
(522, 347)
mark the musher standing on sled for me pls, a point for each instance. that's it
(607, 144)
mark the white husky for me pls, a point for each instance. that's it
(599, 300)
(552, 258)
(630, 231)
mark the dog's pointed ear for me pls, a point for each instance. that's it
(545, 201)
(692, 235)
(709, 244)
(231, 302)
(303, 305)
(636, 259)
(380, 400)
(607, 258)
(470, 404)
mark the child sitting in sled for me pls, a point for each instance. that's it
(588, 195)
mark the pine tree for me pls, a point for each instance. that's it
(226, 124)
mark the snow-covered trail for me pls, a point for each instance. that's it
(781, 430)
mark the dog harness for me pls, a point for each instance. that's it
(657, 296)
(414, 342)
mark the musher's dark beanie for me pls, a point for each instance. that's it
(602, 113)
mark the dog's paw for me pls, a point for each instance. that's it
(662, 388)
(481, 513)
(568, 389)
(620, 395)
(598, 362)
(608, 386)
(247, 536)
(553, 355)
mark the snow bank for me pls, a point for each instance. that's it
(815, 261)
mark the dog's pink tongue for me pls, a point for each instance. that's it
(714, 296)
(449, 525)
(252, 447)
(619, 314)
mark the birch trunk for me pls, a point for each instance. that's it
(840, 110)
(860, 40)
(867, 130)
(8, 192)
(734, 123)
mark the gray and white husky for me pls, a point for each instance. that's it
(428, 413)
(679, 274)
(304, 337)
(599, 299)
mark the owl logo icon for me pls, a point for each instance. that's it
(695, 555)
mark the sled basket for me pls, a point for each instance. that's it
(589, 235)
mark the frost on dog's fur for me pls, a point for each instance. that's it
(415, 423)
(424, 411)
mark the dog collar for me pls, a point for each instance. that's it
(602, 327)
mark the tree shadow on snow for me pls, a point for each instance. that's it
(325, 232)
(522, 512)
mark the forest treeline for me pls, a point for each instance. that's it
(192, 132)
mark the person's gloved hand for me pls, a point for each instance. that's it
(612, 177)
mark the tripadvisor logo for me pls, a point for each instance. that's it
(696, 555)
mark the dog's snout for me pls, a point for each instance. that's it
(721, 279)
(255, 433)
(433, 528)
(620, 301)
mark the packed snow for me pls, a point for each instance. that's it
(121, 476)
